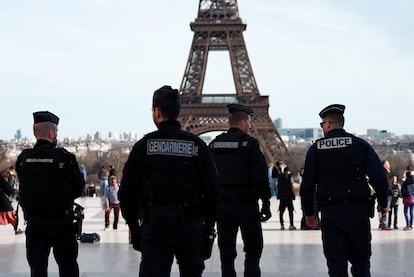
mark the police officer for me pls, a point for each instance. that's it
(50, 180)
(242, 180)
(168, 188)
(335, 175)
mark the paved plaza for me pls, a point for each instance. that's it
(286, 253)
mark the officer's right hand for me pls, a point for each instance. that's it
(135, 236)
(265, 213)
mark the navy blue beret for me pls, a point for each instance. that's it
(234, 108)
(334, 108)
(45, 116)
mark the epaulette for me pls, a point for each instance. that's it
(65, 151)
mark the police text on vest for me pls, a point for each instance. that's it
(332, 143)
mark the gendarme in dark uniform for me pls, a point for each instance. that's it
(168, 187)
(336, 168)
(50, 180)
(242, 181)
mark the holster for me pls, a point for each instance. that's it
(76, 217)
(135, 235)
(371, 206)
(207, 244)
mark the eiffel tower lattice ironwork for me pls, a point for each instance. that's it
(218, 27)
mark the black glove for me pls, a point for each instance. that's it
(207, 243)
(135, 239)
(265, 213)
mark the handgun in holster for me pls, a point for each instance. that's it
(207, 243)
(371, 206)
(78, 217)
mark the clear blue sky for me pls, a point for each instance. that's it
(96, 63)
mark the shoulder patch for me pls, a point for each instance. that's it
(225, 144)
(39, 160)
(65, 151)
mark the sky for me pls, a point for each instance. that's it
(96, 63)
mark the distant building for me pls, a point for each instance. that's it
(301, 133)
(379, 135)
(129, 136)
(278, 123)
(114, 136)
(18, 135)
(97, 136)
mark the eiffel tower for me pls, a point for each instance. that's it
(218, 27)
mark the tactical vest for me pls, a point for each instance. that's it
(338, 172)
(231, 158)
(44, 187)
(171, 173)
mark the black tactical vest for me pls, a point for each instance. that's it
(171, 178)
(230, 153)
(338, 171)
(44, 184)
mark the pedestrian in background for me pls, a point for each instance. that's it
(7, 213)
(112, 202)
(395, 201)
(383, 220)
(103, 175)
(272, 180)
(407, 192)
(286, 196)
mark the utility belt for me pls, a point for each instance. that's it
(369, 203)
(237, 195)
(338, 193)
(336, 202)
(170, 203)
(49, 213)
(182, 213)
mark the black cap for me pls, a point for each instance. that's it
(334, 108)
(45, 116)
(165, 94)
(234, 108)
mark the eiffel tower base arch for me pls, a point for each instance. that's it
(208, 117)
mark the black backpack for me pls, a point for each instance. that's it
(90, 237)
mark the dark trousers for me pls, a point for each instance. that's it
(44, 234)
(231, 217)
(393, 208)
(346, 237)
(286, 203)
(116, 208)
(167, 235)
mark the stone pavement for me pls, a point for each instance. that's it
(286, 253)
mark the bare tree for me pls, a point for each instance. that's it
(5, 162)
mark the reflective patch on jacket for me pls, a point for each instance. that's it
(171, 147)
(333, 143)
